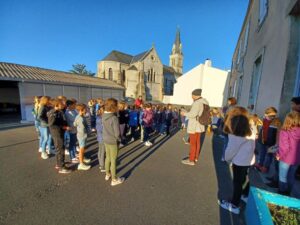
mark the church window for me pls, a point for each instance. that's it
(110, 74)
(151, 75)
(148, 77)
(154, 77)
(123, 77)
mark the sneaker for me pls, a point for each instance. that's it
(86, 160)
(117, 181)
(244, 198)
(121, 145)
(47, 151)
(44, 155)
(67, 152)
(64, 171)
(196, 160)
(148, 144)
(185, 142)
(82, 166)
(188, 162)
(107, 177)
(75, 160)
(40, 149)
(77, 149)
(102, 169)
(229, 206)
(57, 167)
(132, 140)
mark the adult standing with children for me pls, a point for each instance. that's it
(195, 128)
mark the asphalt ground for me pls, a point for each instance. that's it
(158, 189)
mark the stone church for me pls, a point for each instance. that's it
(143, 74)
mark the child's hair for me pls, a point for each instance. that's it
(232, 100)
(215, 111)
(271, 111)
(69, 103)
(80, 107)
(111, 105)
(74, 100)
(147, 106)
(57, 103)
(291, 120)
(121, 105)
(61, 97)
(296, 100)
(100, 111)
(44, 100)
(236, 111)
(239, 126)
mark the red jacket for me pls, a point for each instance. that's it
(138, 102)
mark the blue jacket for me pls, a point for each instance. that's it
(133, 118)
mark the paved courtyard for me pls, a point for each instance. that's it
(158, 188)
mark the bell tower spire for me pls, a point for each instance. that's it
(176, 57)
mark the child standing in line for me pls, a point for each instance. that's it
(133, 122)
(240, 152)
(141, 123)
(175, 118)
(289, 152)
(122, 121)
(71, 114)
(101, 150)
(57, 125)
(111, 139)
(215, 120)
(35, 111)
(82, 131)
(169, 118)
(148, 121)
(267, 138)
(46, 139)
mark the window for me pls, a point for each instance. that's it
(110, 74)
(254, 88)
(123, 77)
(239, 89)
(263, 10)
(148, 77)
(154, 77)
(151, 75)
(246, 37)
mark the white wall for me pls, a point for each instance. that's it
(211, 80)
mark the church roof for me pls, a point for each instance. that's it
(118, 57)
(133, 67)
(177, 42)
(139, 57)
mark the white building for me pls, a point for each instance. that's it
(212, 81)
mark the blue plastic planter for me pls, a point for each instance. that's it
(257, 211)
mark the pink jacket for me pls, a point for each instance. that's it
(289, 146)
(148, 118)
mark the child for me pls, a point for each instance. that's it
(111, 138)
(289, 152)
(35, 110)
(141, 123)
(92, 114)
(133, 122)
(240, 152)
(82, 131)
(215, 120)
(101, 150)
(175, 118)
(182, 118)
(147, 121)
(267, 138)
(169, 118)
(122, 121)
(71, 114)
(58, 125)
(46, 139)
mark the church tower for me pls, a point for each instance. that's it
(176, 58)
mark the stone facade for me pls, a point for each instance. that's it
(143, 74)
(265, 64)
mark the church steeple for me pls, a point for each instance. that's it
(176, 57)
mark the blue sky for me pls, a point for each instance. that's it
(55, 34)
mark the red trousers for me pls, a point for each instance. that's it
(194, 146)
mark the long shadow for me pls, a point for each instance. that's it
(19, 143)
(148, 152)
(224, 179)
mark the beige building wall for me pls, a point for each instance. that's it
(268, 43)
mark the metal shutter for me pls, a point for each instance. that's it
(53, 90)
(116, 94)
(97, 93)
(85, 95)
(71, 92)
(29, 90)
(106, 93)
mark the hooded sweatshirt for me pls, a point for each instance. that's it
(111, 128)
(289, 146)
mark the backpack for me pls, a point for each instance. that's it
(205, 118)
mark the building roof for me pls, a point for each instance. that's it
(17, 72)
(118, 57)
(139, 57)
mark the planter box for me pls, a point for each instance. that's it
(257, 211)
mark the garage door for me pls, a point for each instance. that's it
(71, 92)
(53, 90)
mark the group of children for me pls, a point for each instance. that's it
(63, 126)
(249, 141)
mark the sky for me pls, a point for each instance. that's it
(56, 34)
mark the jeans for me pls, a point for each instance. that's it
(264, 158)
(147, 131)
(239, 178)
(286, 176)
(133, 132)
(162, 128)
(101, 155)
(225, 145)
(72, 145)
(67, 139)
(46, 138)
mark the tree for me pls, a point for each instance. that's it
(81, 70)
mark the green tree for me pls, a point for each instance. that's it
(81, 70)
